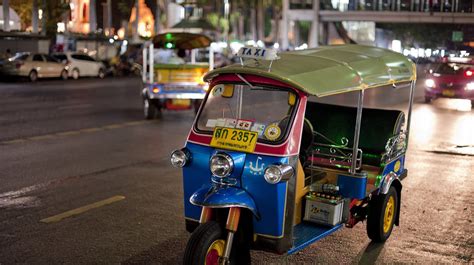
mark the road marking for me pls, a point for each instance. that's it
(67, 133)
(16, 141)
(83, 209)
(75, 132)
(41, 137)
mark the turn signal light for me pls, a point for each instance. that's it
(469, 73)
(276, 173)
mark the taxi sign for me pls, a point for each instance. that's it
(258, 53)
(234, 139)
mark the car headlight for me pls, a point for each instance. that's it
(430, 83)
(470, 86)
(179, 158)
(221, 165)
(276, 173)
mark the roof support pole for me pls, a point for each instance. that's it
(410, 106)
(145, 63)
(151, 61)
(355, 145)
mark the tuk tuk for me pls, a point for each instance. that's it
(174, 81)
(266, 168)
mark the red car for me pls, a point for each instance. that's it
(450, 80)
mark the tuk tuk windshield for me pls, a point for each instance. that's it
(266, 110)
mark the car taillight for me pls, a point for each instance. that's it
(469, 73)
(18, 64)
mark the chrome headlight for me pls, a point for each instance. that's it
(221, 165)
(430, 83)
(179, 158)
(276, 173)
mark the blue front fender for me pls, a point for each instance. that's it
(224, 197)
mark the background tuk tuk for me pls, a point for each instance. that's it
(311, 170)
(172, 74)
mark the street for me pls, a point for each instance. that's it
(85, 147)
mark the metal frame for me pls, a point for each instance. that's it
(355, 146)
(148, 63)
(410, 106)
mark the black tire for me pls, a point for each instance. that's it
(202, 238)
(472, 104)
(376, 215)
(33, 76)
(75, 74)
(63, 75)
(101, 74)
(200, 241)
(149, 110)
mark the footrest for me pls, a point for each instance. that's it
(304, 234)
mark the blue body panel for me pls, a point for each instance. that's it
(391, 166)
(305, 234)
(251, 189)
(225, 196)
(352, 187)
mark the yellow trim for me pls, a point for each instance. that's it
(389, 214)
(219, 246)
(301, 191)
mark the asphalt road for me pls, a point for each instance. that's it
(83, 145)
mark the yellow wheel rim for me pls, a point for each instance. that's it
(215, 250)
(389, 214)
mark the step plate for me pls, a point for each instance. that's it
(304, 234)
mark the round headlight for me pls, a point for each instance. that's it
(179, 158)
(276, 173)
(430, 83)
(221, 165)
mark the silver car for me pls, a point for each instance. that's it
(34, 66)
(81, 64)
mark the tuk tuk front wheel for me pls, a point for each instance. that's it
(381, 216)
(206, 245)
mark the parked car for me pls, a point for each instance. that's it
(450, 80)
(33, 66)
(81, 64)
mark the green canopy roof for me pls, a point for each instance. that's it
(181, 40)
(329, 70)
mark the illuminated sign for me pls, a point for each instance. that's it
(258, 53)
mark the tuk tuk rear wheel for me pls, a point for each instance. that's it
(149, 110)
(381, 215)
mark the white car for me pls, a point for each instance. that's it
(81, 64)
